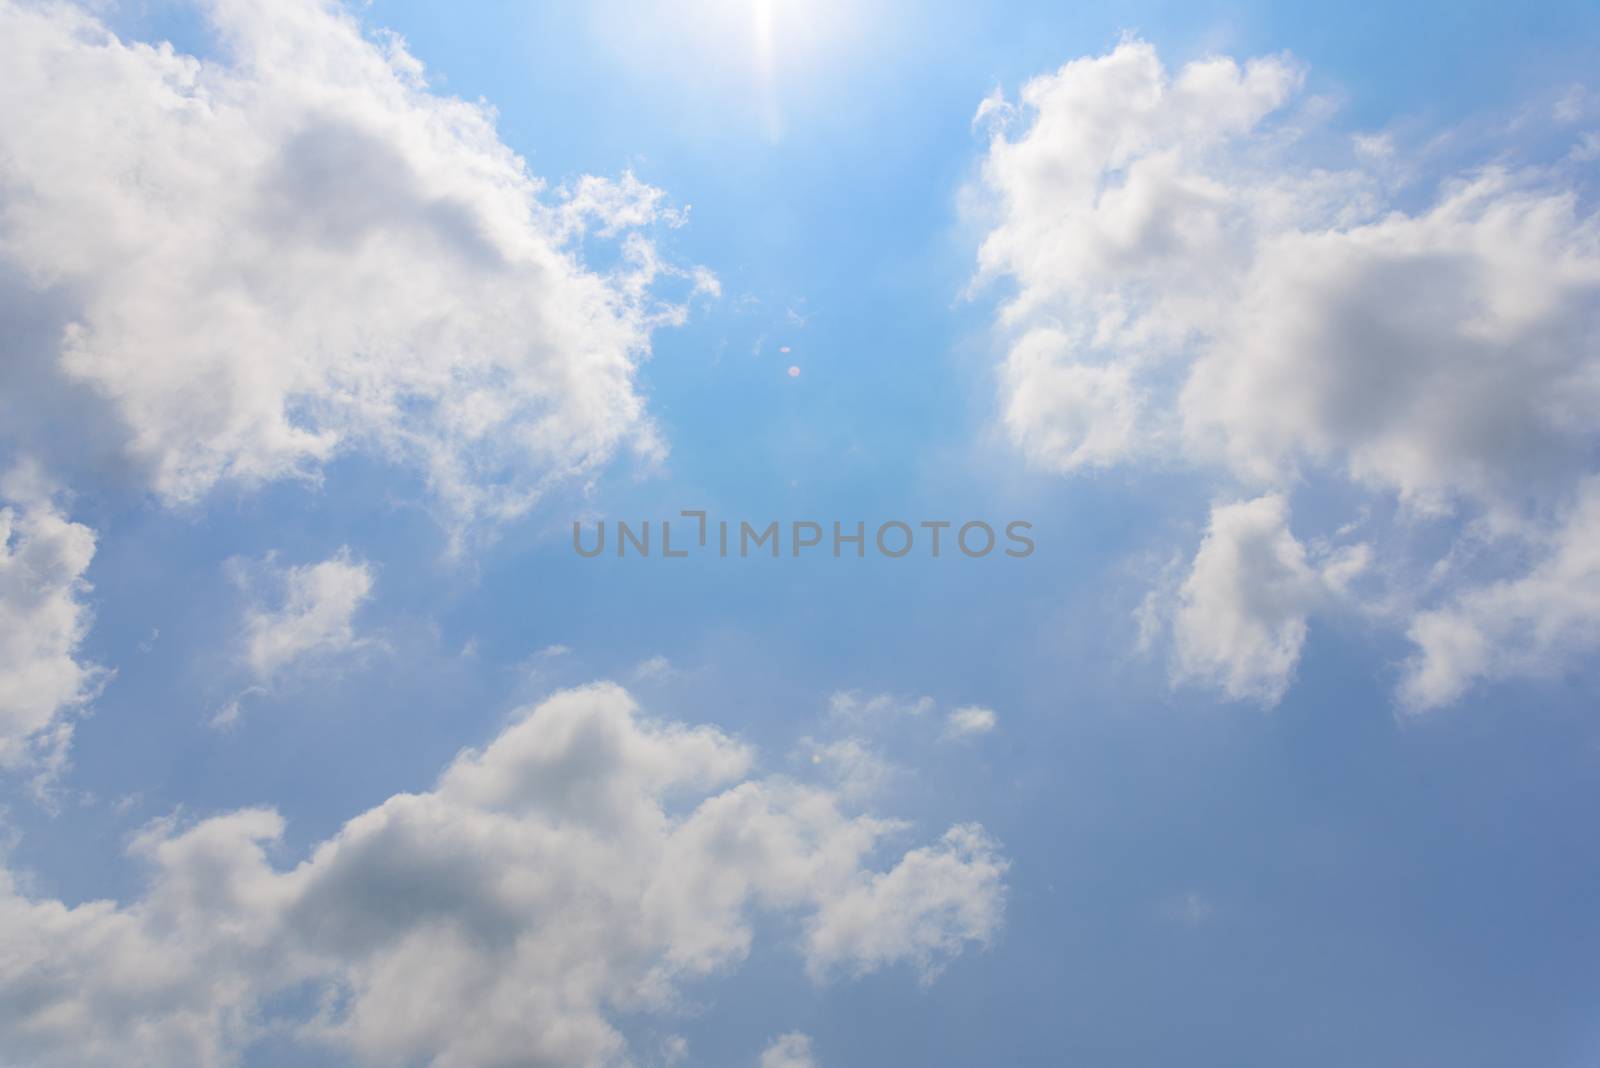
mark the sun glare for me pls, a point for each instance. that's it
(765, 17)
(760, 56)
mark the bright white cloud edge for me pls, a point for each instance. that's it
(587, 861)
(259, 262)
(1189, 285)
(44, 617)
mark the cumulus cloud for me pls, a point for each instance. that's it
(257, 262)
(792, 1050)
(1104, 207)
(44, 617)
(1530, 625)
(1240, 622)
(921, 911)
(1445, 355)
(587, 861)
(1198, 276)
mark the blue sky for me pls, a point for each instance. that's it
(320, 745)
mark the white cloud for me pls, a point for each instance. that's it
(260, 261)
(1103, 204)
(852, 706)
(312, 613)
(858, 726)
(1587, 149)
(166, 981)
(654, 669)
(1063, 414)
(792, 1050)
(1531, 625)
(295, 618)
(587, 861)
(922, 911)
(1160, 233)
(1200, 276)
(995, 111)
(43, 621)
(674, 1050)
(1443, 356)
(968, 721)
(852, 764)
(1240, 621)
(1573, 105)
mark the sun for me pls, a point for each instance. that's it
(764, 57)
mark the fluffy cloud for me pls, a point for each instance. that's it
(587, 861)
(43, 620)
(1240, 622)
(788, 1051)
(169, 980)
(314, 614)
(921, 911)
(1445, 355)
(1529, 625)
(256, 262)
(296, 617)
(1194, 280)
(1105, 205)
